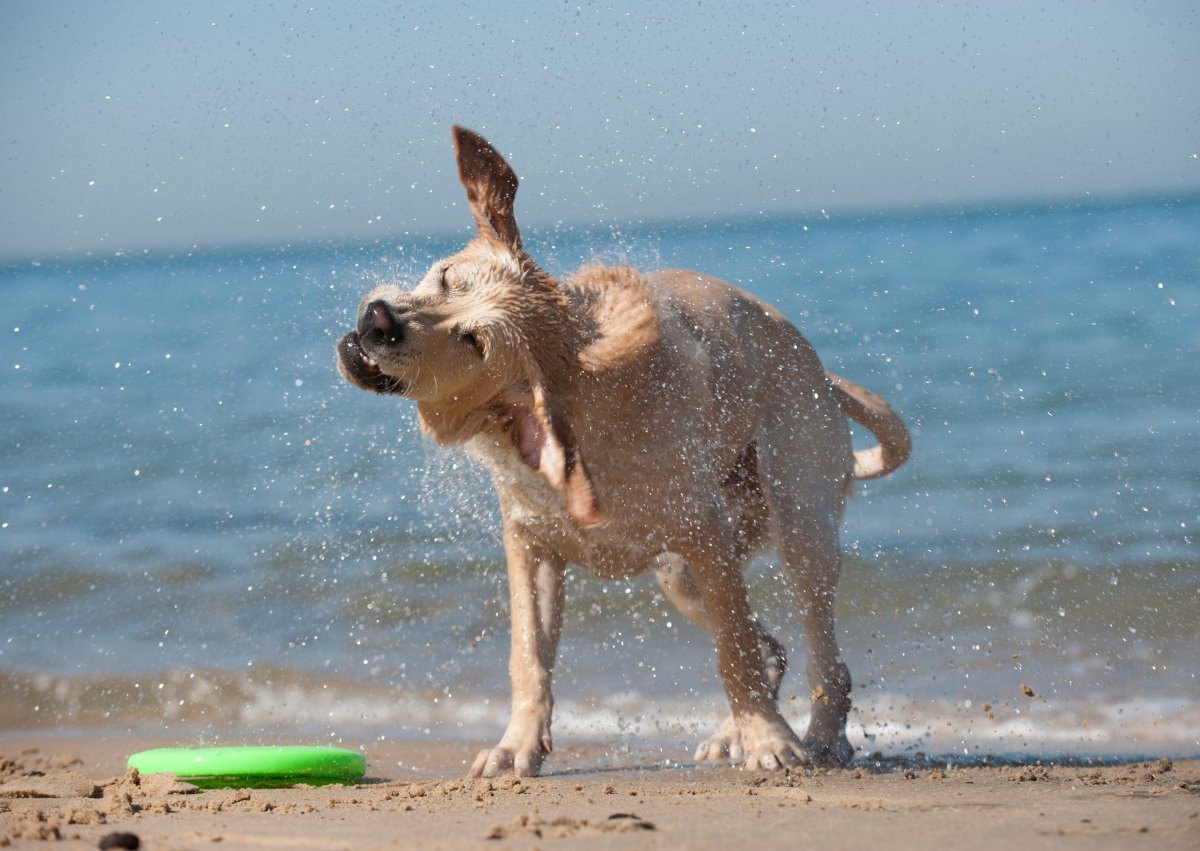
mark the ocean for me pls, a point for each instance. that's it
(205, 533)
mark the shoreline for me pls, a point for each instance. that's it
(414, 796)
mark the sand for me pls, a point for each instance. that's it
(74, 791)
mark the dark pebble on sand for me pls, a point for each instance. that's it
(120, 840)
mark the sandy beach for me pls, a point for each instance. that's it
(74, 791)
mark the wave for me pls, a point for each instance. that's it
(214, 706)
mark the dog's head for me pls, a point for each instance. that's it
(484, 337)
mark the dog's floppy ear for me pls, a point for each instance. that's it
(542, 432)
(546, 442)
(491, 187)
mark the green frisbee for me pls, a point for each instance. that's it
(214, 768)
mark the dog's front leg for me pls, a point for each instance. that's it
(535, 587)
(763, 738)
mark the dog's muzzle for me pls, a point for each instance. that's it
(376, 324)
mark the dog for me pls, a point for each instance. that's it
(662, 421)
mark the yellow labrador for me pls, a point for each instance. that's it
(631, 421)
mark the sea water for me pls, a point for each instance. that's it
(203, 527)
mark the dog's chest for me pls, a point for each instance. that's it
(523, 486)
(611, 551)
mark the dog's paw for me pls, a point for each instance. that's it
(769, 744)
(521, 751)
(493, 762)
(725, 744)
(835, 750)
(758, 743)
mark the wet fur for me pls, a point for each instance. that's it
(664, 421)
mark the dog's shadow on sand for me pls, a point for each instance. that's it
(1020, 767)
(873, 764)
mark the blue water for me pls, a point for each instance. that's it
(189, 492)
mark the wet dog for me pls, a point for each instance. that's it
(662, 421)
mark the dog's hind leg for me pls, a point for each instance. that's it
(806, 504)
(812, 567)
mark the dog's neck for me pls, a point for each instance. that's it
(457, 423)
(507, 421)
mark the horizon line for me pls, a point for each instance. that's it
(837, 215)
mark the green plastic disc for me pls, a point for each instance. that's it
(253, 766)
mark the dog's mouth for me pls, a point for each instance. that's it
(363, 370)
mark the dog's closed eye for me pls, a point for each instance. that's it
(471, 340)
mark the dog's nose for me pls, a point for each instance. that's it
(379, 318)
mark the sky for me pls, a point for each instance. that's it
(133, 126)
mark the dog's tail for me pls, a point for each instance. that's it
(871, 411)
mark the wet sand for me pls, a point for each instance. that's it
(74, 790)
